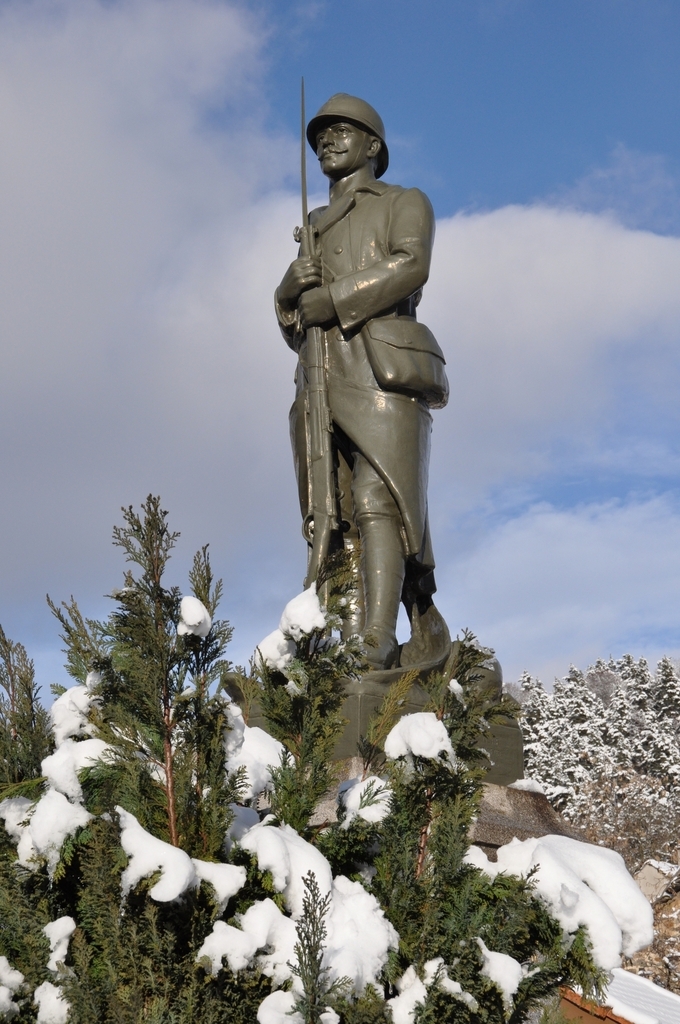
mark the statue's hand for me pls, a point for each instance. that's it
(302, 274)
(316, 308)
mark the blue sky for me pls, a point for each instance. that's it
(491, 102)
(148, 191)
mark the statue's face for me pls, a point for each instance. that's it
(343, 148)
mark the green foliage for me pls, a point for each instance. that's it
(24, 911)
(24, 724)
(141, 965)
(317, 992)
(438, 903)
(158, 700)
(434, 802)
(303, 707)
(349, 849)
(371, 745)
(368, 1008)
(155, 695)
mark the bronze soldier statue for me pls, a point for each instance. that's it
(383, 372)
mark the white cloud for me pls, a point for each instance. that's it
(554, 586)
(145, 226)
(109, 171)
(540, 313)
(139, 349)
(641, 189)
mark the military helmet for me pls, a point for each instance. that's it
(343, 107)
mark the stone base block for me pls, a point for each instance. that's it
(508, 813)
(364, 697)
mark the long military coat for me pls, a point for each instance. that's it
(375, 245)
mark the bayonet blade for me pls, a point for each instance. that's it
(303, 155)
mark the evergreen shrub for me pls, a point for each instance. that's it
(151, 687)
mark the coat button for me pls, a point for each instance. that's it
(337, 250)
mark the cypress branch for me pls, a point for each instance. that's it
(318, 992)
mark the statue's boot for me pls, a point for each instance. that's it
(383, 567)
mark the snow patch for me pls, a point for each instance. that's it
(527, 786)
(59, 933)
(286, 854)
(179, 871)
(8, 1008)
(582, 884)
(630, 1013)
(277, 1008)
(9, 977)
(92, 680)
(276, 650)
(262, 926)
(53, 819)
(412, 991)
(15, 813)
(69, 714)
(149, 855)
(640, 1001)
(194, 618)
(373, 792)
(266, 926)
(421, 734)
(251, 748)
(10, 980)
(52, 1007)
(234, 735)
(359, 935)
(435, 969)
(244, 818)
(503, 970)
(301, 616)
(226, 879)
(70, 757)
(456, 689)
(39, 829)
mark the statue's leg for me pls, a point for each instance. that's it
(430, 639)
(382, 560)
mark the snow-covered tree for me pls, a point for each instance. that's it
(556, 754)
(666, 697)
(644, 740)
(605, 745)
(169, 863)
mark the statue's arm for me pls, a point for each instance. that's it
(303, 273)
(366, 293)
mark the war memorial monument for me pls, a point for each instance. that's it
(369, 375)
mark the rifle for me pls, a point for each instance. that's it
(322, 518)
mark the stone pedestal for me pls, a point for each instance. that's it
(364, 697)
(504, 813)
(508, 813)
